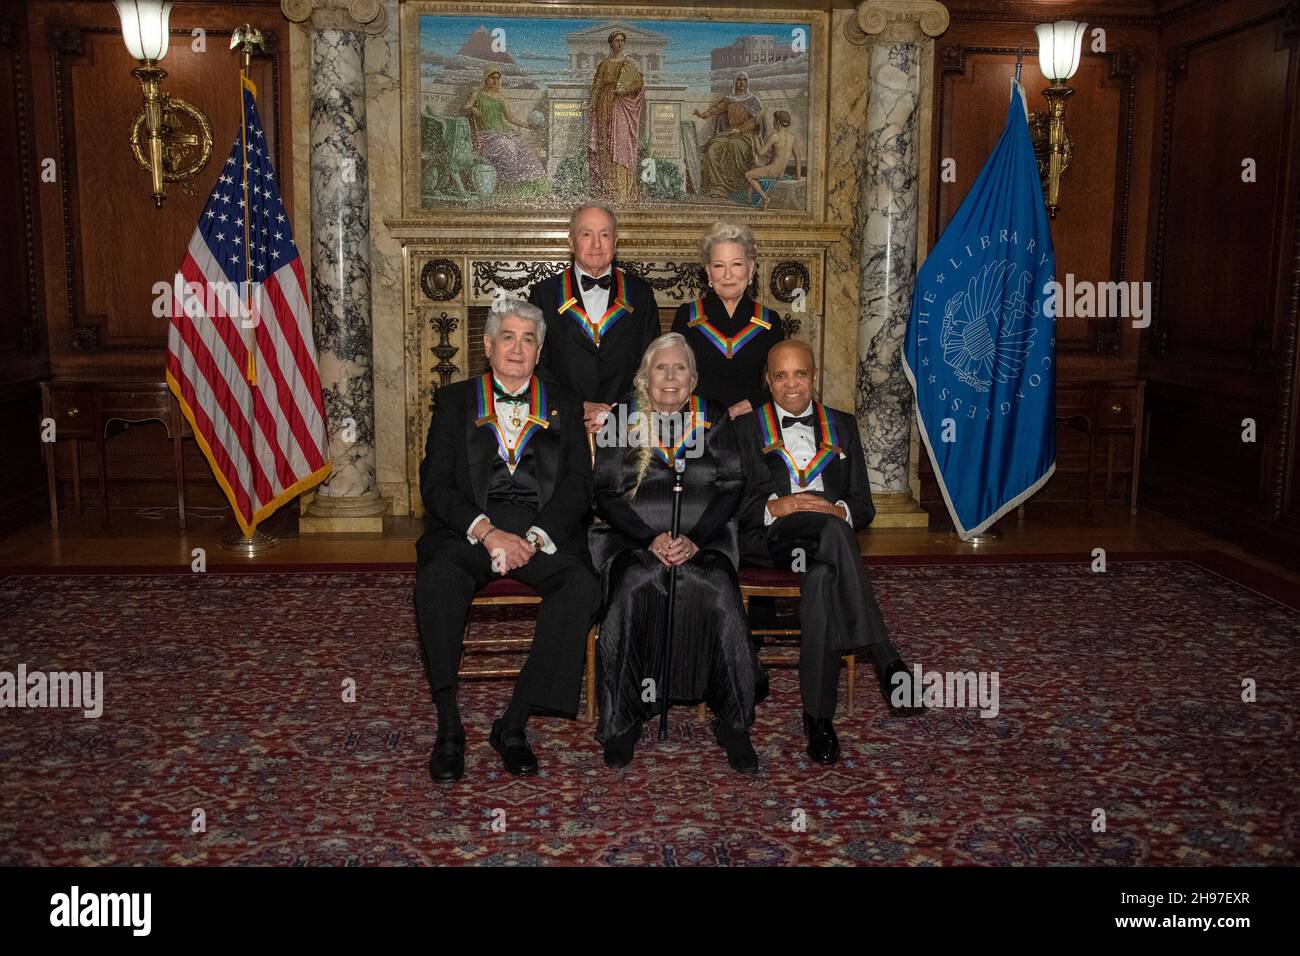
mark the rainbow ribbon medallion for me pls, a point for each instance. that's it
(669, 454)
(727, 345)
(828, 446)
(487, 415)
(571, 302)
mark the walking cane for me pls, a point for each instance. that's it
(679, 466)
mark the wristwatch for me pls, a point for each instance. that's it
(535, 540)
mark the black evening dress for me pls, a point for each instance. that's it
(713, 657)
(730, 350)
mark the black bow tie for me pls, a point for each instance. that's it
(588, 282)
(501, 395)
(788, 420)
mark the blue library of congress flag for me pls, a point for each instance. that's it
(981, 349)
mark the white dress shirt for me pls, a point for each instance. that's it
(801, 442)
(510, 432)
(595, 300)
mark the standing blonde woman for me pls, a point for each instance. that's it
(713, 657)
(729, 332)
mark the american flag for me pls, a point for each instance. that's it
(240, 355)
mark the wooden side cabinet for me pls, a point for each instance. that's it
(81, 410)
(1111, 408)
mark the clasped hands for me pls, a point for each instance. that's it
(805, 501)
(513, 550)
(672, 551)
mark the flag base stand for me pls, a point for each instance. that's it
(259, 543)
(984, 537)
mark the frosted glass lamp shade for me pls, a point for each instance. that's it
(1059, 47)
(144, 27)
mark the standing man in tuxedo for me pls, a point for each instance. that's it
(815, 476)
(599, 318)
(506, 479)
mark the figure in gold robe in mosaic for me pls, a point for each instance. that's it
(614, 124)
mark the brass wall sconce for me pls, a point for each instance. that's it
(1059, 48)
(170, 137)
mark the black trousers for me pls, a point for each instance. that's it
(837, 606)
(457, 570)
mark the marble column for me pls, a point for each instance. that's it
(899, 36)
(340, 262)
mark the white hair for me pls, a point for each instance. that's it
(520, 310)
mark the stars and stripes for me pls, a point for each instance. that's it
(241, 359)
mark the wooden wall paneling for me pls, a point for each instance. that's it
(1215, 230)
(22, 341)
(1222, 345)
(23, 356)
(103, 243)
(115, 244)
(1285, 492)
(1090, 232)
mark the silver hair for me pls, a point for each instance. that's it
(640, 439)
(573, 217)
(721, 232)
(520, 310)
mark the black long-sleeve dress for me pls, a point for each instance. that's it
(730, 350)
(713, 657)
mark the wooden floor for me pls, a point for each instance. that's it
(151, 537)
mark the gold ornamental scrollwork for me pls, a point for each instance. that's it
(186, 139)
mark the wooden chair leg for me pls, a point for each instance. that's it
(850, 661)
(701, 712)
(591, 675)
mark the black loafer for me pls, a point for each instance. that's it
(515, 753)
(888, 686)
(740, 752)
(447, 763)
(823, 744)
(620, 750)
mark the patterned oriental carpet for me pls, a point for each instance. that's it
(1118, 691)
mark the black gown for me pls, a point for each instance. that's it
(730, 379)
(713, 656)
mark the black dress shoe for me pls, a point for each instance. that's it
(619, 750)
(515, 753)
(823, 745)
(888, 687)
(447, 763)
(740, 752)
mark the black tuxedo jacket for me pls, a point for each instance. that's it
(572, 359)
(845, 478)
(457, 467)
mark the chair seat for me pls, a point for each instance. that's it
(504, 588)
(768, 578)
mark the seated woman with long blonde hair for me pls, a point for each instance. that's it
(712, 656)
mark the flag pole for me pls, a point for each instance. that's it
(246, 39)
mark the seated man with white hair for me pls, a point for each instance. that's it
(506, 480)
